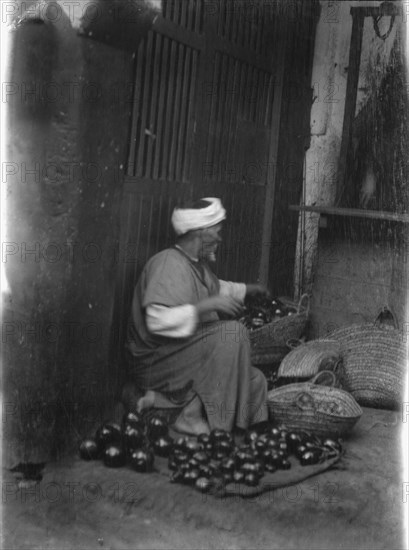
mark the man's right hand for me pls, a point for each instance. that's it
(221, 304)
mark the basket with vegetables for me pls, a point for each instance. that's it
(320, 409)
(271, 323)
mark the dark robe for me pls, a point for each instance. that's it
(213, 363)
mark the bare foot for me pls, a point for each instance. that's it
(191, 420)
(146, 402)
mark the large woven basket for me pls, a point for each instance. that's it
(322, 410)
(269, 343)
(374, 358)
(307, 359)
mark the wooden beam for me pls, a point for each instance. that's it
(272, 158)
(350, 96)
(353, 213)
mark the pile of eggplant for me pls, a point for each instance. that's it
(215, 460)
(208, 461)
(260, 310)
(134, 442)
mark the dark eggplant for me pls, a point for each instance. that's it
(275, 433)
(180, 444)
(251, 479)
(272, 458)
(201, 457)
(157, 427)
(250, 436)
(184, 467)
(244, 456)
(271, 468)
(193, 463)
(163, 446)
(285, 464)
(227, 477)
(223, 446)
(310, 457)
(228, 465)
(192, 446)
(238, 476)
(142, 460)
(332, 445)
(217, 435)
(249, 467)
(218, 456)
(108, 434)
(133, 438)
(180, 457)
(203, 484)
(205, 470)
(259, 446)
(191, 476)
(273, 444)
(133, 419)
(204, 439)
(114, 456)
(89, 449)
(293, 440)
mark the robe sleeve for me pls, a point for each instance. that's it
(234, 290)
(173, 322)
(168, 282)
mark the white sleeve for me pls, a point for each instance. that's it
(234, 290)
(174, 322)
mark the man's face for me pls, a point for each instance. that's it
(211, 237)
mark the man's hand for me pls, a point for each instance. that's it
(256, 288)
(221, 304)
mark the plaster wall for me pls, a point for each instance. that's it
(324, 253)
(329, 82)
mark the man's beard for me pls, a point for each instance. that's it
(211, 257)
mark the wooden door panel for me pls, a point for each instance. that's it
(202, 125)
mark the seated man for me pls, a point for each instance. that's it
(181, 353)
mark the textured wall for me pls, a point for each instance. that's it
(354, 243)
(68, 114)
(329, 80)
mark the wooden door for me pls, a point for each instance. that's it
(205, 122)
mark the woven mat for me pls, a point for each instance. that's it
(269, 482)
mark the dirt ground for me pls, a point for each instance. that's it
(81, 505)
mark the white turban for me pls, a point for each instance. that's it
(188, 219)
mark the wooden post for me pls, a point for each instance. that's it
(272, 158)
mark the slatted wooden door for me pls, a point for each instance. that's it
(205, 121)
(238, 121)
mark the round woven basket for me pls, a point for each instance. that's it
(374, 359)
(307, 359)
(269, 343)
(322, 410)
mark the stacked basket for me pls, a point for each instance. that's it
(307, 359)
(269, 343)
(374, 358)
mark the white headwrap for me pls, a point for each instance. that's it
(188, 219)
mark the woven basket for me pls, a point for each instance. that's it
(374, 357)
(322, 410)
(307, 359)
(269, 343)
